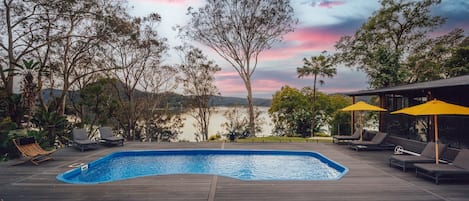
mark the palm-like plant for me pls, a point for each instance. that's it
(52, 122)
(29, 86)
(317, 66)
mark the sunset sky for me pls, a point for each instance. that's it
(321, 24)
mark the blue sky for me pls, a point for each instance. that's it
(321, 24)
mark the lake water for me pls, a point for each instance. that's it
(218, 119)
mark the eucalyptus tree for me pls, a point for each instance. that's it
(197, 77)
(239, 30)
(97, 104)
(132, 55)
(429, 61)
(19, 26)
(382, 46)
(458, 63)
(317, 66)
(21, 33)
(82, 27)
(161, 123)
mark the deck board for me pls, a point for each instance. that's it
(369, 178)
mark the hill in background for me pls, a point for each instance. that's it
(173, 99)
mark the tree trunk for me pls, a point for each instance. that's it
(313, 109)
(131, 116)
(63, 98)
(252, 124)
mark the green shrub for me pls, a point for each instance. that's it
(214, 137)
(321, 134)
(7, 148)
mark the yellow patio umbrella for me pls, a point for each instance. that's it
(361, 106)
(434, 108)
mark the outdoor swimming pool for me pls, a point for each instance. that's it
(238, 164)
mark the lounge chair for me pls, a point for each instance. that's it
(408, 161)
(31, 150)
(109, 138)
(376, 143)
(81, 140)
(342, 139)
(456, 170)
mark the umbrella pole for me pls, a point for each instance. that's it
(435, 122)
(360, 113)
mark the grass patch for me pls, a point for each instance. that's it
(283, 139)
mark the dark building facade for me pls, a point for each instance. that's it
(453, 129)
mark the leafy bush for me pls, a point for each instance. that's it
(214, 137)
(7, 149)
(50, 123)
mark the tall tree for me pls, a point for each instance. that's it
(82, 27)
(291, 112)
(22, 26)
(383, 44)
(162, 123)
(239, 30)
(132, 56)
(429, 61)
(18, 28)
(317, 66)
(98, 103)
(458, 63)
(197, 76)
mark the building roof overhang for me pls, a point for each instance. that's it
(410, 88)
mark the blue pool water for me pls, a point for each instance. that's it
(239, 164)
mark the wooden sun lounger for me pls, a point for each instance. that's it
(408, 161)
(31, 151)
(459, 169)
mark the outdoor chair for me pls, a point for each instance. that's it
(343, 139)
(81, 140)
(109, 138)
(376, 143)
(408, 161)
(31, 150)
(459, 169)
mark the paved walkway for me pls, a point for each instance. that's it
(369, 178)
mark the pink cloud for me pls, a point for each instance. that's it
(230, 86)
(236, 86)
(225, 74)
(265, 85)
(328, 4)
(301, 41)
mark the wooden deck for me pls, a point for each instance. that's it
(369, 178)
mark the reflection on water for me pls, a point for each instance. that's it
(218, 119)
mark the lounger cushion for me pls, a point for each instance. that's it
(27, 140)
(108, 137)
(379, 138)
(412, 159)
(85, 142)
(355, 136)
(79, 134)
(105, 132)
(429, 150)
(462, 159)
(441, 168)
